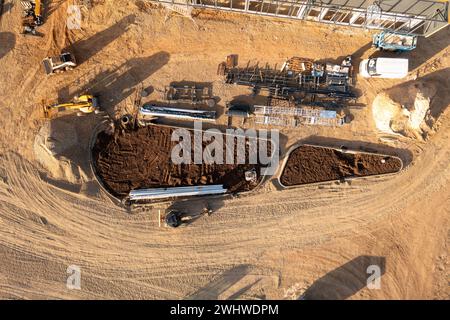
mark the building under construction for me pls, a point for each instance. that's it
(417, 17)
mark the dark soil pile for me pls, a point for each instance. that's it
(141, 158)
(308, 164)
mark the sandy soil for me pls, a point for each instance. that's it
(270, 245)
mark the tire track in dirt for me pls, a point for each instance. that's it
(272, 230)
(46, 228)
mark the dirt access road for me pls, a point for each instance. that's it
(270, 245)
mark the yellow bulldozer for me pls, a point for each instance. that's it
(84, 104)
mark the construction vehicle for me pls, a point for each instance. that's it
(175, 218)
(32, 16)
(392, 68)
(392, 41)
(84, 104)
(64, 62)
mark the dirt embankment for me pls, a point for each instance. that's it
(141, 158)
(310, 164)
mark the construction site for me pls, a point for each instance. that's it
(285, 146)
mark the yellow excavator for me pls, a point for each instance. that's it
(85, 104)
(32, 16)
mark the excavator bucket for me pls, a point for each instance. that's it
(50, 109)
(47, 66)
(47, 111)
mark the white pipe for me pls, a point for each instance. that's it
(157, 111)
(161, 193)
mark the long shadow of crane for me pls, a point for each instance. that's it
(7, 43)
(346, 280)
(87, 48)
(115, 85)
(220, 284)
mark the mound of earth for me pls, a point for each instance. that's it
(404, 110)
(311, 164)
(53, 144)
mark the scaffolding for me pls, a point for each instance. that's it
(325, 80)
(187, 94)
(288, 116)
(275, 121)
(416, 17)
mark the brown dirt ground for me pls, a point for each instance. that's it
(141, 158)
(309, 164)
(269, 245)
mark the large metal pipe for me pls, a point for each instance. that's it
(159, 111)
(161, 193)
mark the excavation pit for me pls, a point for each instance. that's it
(140, 158)
(308, 164)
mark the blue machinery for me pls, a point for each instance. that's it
(394, 41)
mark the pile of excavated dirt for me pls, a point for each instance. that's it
(310, 164)
(53, 148)
(141, 158)
(403, 110)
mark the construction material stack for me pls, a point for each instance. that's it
(297, 76)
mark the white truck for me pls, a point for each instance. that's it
(393, 68)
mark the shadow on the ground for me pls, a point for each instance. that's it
(194, 208)
(426, 49)
(439, 79)
(113, 86)
(221, 283)
(87, 48)
(356, 57)
(7, 7)
(346, 280)
(7, 43)
(50, 6)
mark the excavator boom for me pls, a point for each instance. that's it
(38, 8)
(85, 104)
